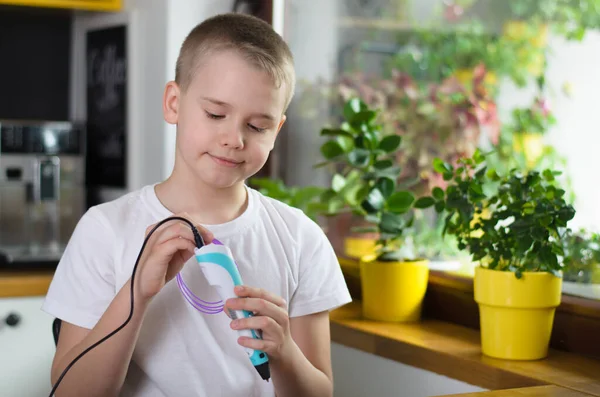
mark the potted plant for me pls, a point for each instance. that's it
(514, 231)
(365, 183)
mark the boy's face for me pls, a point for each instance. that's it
(227, 120)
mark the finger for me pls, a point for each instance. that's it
(266, 324)
(206, 234)
(167, 249)
(261, 307)
(263, 345)
(252, 292)
(176, 230)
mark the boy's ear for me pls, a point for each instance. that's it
(283, 118)
(171, 102)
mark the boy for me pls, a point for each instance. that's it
(234, 81)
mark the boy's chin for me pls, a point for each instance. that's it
(221, 181)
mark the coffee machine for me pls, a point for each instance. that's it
(42, 190)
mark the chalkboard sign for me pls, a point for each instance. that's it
(106, 59)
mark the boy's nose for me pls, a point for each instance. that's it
(232, 138)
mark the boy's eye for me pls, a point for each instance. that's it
(257, 129)
(214, 116)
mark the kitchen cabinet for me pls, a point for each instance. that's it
(26, 349)
(91, 5)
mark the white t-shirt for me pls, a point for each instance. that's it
(180, 351)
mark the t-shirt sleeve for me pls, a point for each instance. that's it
(84, 281)
(321, 284)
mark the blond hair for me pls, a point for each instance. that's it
(250, 36)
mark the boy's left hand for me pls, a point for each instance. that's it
(270, 316)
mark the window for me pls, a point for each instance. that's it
(533, 90)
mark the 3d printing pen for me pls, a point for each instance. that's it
(219, 268)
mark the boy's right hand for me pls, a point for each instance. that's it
(167, 250)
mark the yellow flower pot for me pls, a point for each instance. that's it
(516, 315)
(393, 291)
(358, 247)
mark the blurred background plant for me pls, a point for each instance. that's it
(305, 198)
(582, 256)
(438, 86)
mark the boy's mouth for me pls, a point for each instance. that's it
(227, 162)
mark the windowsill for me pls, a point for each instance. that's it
(450, 299)
(589, 291)
(454, 351)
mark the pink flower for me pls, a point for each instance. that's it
(542, 105)
(452, 12)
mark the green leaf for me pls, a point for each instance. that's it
(478, 157)
(566, 213)
(327, 195)
(386, 186)
(391, 223)
(475, 188)
(370, 139)
(390, 143)
(361, 194)
(440, 206)
(353, 107)
(481, 172)
(364, 116)
(548, 175)
(331, 149)
(424, 202)
(400, 202)
(392, 172)
(346, 143)
(338, 182)
(359, 157)
(374, 201)
(383, 164)
(441, 167)
(438, 193)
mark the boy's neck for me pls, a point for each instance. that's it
(204, 204)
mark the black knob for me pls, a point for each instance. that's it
(12, 319)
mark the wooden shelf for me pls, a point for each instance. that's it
(454, 351)
(14, 284)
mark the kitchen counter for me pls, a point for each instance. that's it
(454, 351)
(24, 283)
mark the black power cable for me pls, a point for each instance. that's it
(199, 243)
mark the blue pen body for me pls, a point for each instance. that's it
(219, 268)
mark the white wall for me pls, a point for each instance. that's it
(182, 16)
(359, 374)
